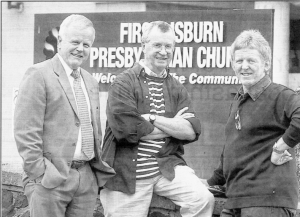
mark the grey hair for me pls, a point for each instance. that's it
(252, 39)
(161, 25)
(77, 21)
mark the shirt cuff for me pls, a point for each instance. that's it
(143, 129)
(195, 122)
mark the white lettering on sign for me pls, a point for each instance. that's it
(182, 57)
(210, 79)
(204, 31)
(103, 78)
(198, 32)
(213, 57)
(131, 31)
(193, 79)
(112, 57)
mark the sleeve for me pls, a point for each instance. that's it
(218, 177)
(292, 111)
(127, 125)
(185, 101)
(28, 122)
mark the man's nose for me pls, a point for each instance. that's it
(245, 65)
(80, 47)
(163, 50)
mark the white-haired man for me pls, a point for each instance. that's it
(258, 161)
(151, 117)
(57, 128)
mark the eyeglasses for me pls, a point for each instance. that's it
(237, 119)
(168, 47)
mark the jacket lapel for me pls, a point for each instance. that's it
(64, 81)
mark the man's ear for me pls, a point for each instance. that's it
(143, 47)
(59, 39)
(267, 66)
(232, 64)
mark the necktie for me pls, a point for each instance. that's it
(86, 126)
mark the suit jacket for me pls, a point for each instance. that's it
(47, 124)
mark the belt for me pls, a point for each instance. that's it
(76, 164)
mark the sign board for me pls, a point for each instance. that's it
(201, 60)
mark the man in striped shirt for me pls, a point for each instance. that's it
(150, 115)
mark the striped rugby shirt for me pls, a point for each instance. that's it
(147, 166)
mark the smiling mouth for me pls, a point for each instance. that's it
(162, 58)
(77, 56)
(246, 74)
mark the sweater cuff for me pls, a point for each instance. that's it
(291, 137)
(195, 122)
(143, 129)
(212, 181)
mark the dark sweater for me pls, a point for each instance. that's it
(128, 98)
(270, 112)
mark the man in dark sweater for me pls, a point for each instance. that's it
(150, 114)
(258, 161)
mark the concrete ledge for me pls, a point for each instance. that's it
(163, 202)
(12, 179)
(219, 204)
(163, 207)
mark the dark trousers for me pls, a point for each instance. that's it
(76, 197)
(259, 212)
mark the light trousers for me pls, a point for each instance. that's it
(185, 190)
(76, 197)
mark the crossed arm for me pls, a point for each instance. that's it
(129, 125)
(177, 127)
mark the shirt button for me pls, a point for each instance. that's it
(74, 144)
(144, 82)
(273, 192)
(146, 97)
(77, 124)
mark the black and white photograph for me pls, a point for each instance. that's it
(150, 108)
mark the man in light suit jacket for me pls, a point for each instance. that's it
(57, 128)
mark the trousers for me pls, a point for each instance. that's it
(76, 197)
(185, 190)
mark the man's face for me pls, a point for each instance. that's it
(74, 46)
(249, 66)
(159, 50)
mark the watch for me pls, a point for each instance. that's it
(152, 118)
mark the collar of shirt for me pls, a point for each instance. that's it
(148, 71)
(67, 68)
(257, 89)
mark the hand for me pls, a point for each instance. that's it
(146, 117)
(279, 159)
(181, 114)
